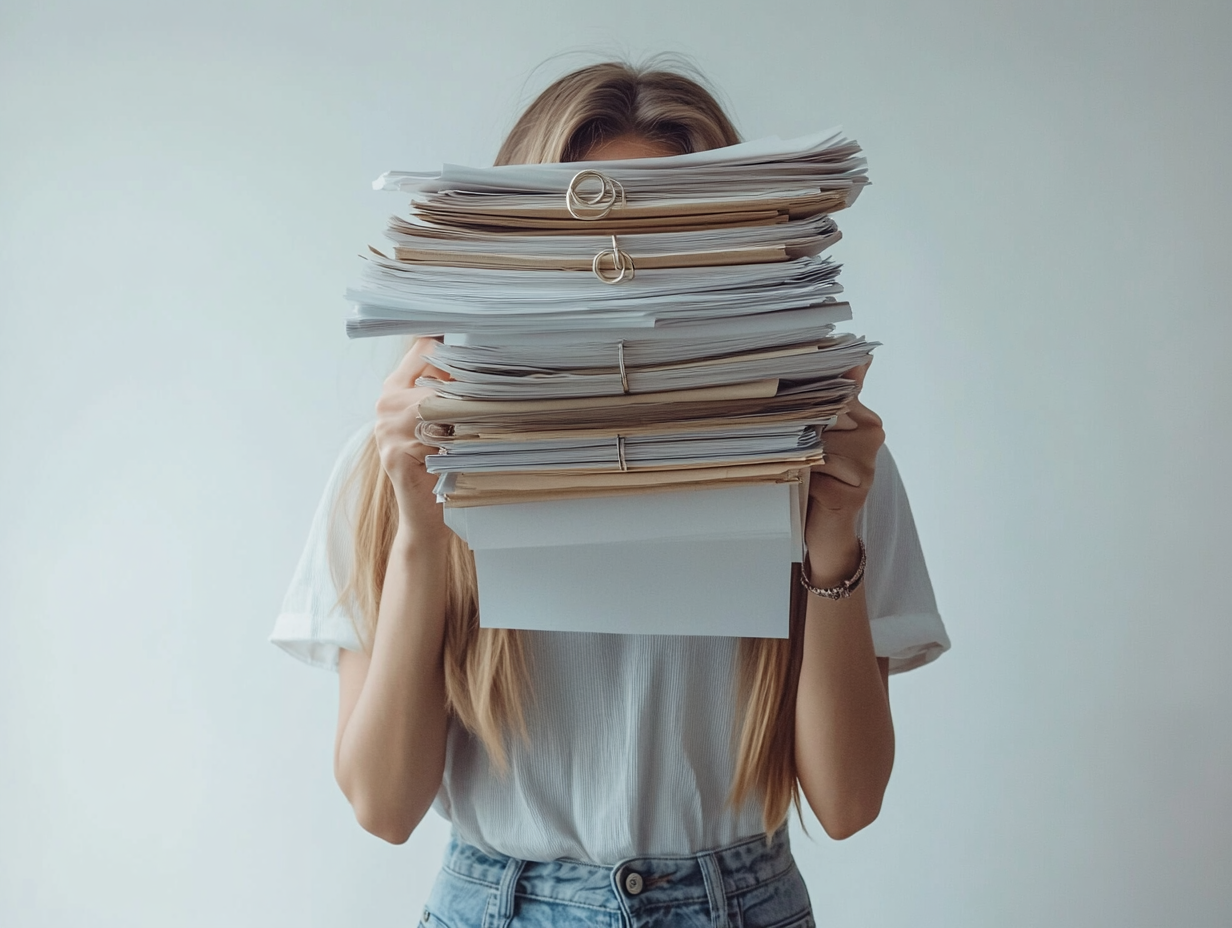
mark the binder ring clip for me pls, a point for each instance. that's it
(622, 263)
(595, 205)
(620, 452)
(624, 374)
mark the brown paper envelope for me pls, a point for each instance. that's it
(442, 409)
(766, 254)
(492, 497)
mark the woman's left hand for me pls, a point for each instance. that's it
(839, 487)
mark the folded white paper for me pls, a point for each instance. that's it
(704, 562)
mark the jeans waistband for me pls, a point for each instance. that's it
(636, 883)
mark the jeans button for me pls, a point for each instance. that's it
(633, 883)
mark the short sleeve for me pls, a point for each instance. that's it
(902, 610)
(310, 625)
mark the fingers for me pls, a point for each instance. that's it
(414, 364)
(851, 447)
(854, 470)
(411, 365)
(851, 457)
(396, 435)
(855, 416)
(850, 418)
(859, 373)
(397, 410)
(403, 454)
(842, 469)
(862, 435)
(843, 422)
(395, 399)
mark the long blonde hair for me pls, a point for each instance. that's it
(486, 676)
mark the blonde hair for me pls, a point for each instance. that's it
(486, 677)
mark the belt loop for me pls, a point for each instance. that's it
(713, 878)
(500, 915)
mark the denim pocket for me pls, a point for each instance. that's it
(455, 902)
(783, 902)
(431, 920)
(806, 922)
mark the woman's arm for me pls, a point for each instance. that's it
(389, 753)
(844, 732)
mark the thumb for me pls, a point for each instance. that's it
(859, 373)
(430, 369)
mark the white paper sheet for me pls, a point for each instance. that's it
(707, 562)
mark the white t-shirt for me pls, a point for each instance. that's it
(631, 736)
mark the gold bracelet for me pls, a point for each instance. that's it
(844, 589)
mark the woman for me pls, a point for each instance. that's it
(607, 779)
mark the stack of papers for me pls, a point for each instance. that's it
(626, 349)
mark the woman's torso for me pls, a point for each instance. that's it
(630, 751)
(631, 743)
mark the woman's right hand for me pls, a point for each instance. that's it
(402, 454)
(389, 753)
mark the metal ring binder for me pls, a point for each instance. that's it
(624, 374)
(620, 452)
(621, 262)
(597, 205)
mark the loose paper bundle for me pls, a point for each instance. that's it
(654, 336)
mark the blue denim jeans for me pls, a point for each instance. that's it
(750, 884)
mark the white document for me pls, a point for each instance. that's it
(753, 167)
(669, 342)
(694, 448)
(704, 562)
(394, 297)
(443, 245)
(485, 376)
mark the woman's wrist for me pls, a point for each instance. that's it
(420, 541)
(833, 553)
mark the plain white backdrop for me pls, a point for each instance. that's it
(1043, 252)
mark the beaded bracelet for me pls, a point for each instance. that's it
(844, 589)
